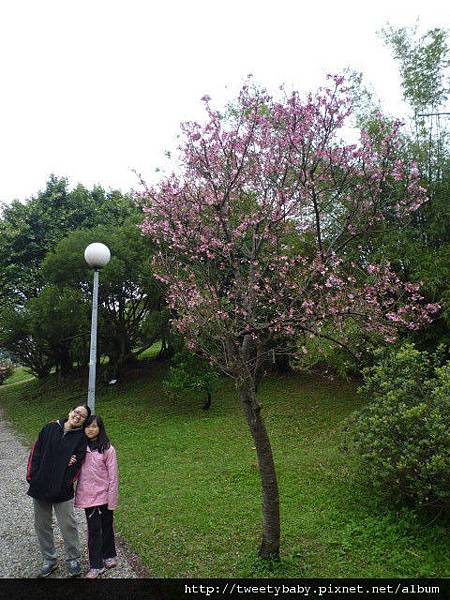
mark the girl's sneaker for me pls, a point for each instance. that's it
(110, 563)
(94, 573)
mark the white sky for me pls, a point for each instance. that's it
(91, 89)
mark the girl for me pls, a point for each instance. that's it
(97, 493)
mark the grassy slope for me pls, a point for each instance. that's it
(190, 501)
(20, 374)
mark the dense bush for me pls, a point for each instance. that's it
(6, 370)
(188, 371)
(402, 437)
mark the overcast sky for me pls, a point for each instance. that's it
(92, 89)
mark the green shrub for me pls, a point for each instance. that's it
(6, 370)
(402, 437)
(189, 371)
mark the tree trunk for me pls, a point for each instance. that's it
(270, 545)
(207, 404)
(282, 364)
(66, 365)
(163, 352)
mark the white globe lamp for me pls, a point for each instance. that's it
(97, 255)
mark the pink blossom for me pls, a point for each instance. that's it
(237, 231)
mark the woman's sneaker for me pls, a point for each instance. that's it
(110, 563)
(47, 568)
(94, 573)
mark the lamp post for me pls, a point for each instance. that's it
(97, 256)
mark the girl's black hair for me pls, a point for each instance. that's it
(102, 443)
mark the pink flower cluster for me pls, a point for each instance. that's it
(251, 237)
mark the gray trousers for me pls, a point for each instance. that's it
(43, 524)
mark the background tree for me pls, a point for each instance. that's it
(46, 331)
(420, 249)
(17, 334)
(33, 316)
(424, 246)
(417, 248)
(29, 230)
(253, 240)
(129, 298)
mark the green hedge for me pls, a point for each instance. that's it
(403, 436)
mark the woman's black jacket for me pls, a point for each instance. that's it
(48, 473)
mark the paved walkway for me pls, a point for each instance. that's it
(19, 550)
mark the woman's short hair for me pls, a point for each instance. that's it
(88, 410)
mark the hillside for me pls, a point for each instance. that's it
(190, 499)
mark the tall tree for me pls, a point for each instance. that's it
(418, 248)
(253, 236)
(129, 297)
(424, 69)
(29, 230)
(422, 249)
(45, 332)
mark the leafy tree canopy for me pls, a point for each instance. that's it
(29, 230)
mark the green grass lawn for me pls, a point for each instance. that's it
(190, 498)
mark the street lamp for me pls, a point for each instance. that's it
(97, 256)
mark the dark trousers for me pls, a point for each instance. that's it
(100, 535)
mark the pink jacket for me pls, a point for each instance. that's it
(98, 482)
